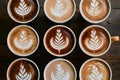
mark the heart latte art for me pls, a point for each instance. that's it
(94, 40)
(22, 40)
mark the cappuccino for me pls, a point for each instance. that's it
(60, 69)
(59, 40)
(95, 69)
(59, 11)
(95, 11)
(23, 69)
(23, 11)
(95, 40)
(23, 40)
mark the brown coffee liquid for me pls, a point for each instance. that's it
(95, 68)
(65, 41)
(95, 40)
(26, 13)
(27, 68)
(56, 12)
(97, 10)
(23, 40)
(60, 66)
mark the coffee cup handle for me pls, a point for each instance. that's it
(115, 38)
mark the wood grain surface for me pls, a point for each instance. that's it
(41, 24)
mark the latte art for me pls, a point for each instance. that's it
(95, 11)
(60, 74)
(95, 69)
(58, 10)
(23, 69)
(59, 40)
(23, 11)
(23, 40)
(59, 69)
(23, 75)
(59, 43)
(94, 40)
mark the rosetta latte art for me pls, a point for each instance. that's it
(94, 42)
(23, 9)
(95, 9)
(59, 9)
(59, 42)
(23, 75)
(23, 42)
(60, 74)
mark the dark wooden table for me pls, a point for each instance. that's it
(41, 57)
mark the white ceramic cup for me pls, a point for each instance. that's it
(45, 11)
(60, 59)
(98, 59)
(59, 55)
(111, 39)
(33, 63)
(12, 17)
(91, 21)
(8, 41)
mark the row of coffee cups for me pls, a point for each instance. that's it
(60, 40)
(59, 69)
(59, 11)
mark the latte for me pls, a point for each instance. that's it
(95, 69)
(23, 69)
(60, 69)
(95, 40)
(23, 11)
(23, 40)
(59, 40)
(95, 11)
(59, 10)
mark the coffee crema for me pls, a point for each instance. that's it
(94, 40)
(59, 40)
(95, 10)
(95, 69)
(59, 10)
(23, 11)
(23, 69)
(23, 40)
(60, 69)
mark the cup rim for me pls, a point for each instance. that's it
(67, 61)
(91, 21)
(80, 70)
(38, 71)
(8, 41)
(57, 55)
(86, 52)
(10, 14)
(45, 11)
